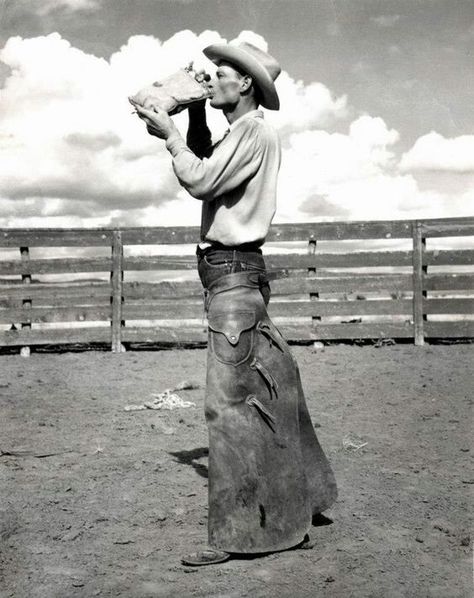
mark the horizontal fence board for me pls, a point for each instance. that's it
(37, 315)
(158, 290)
(448, 230)
(27, 336)
(324, 231)
(343, 284)
(360, 259)
(161, 235)
(55, 237)
(340, 308)
(185, 309)
(163, 311)
(277, 261)
(363, 331)
(56, 266)
(58, 302)
(448, 282)
(280, 232)
(44, 291)
(159, 262)
(329, 231)
(283, 286)
(355, 331)
(460, 329)
(182, 309)
(355, 259)
(196, 333)
(292, 332)
(449, 257)
(448, 306)
(398, 229)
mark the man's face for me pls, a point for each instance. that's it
(225, 86)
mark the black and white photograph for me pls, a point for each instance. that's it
(236, 298)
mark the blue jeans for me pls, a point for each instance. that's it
(214, 263)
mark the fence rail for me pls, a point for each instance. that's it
(320, 295)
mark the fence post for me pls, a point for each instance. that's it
(419, 246)
(116, 279)
(26, 303)
(312, 272)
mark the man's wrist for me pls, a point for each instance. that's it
(174, 142)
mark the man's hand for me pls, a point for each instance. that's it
(158, 123)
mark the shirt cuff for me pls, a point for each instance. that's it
(175, 143)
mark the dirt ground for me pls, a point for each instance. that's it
(122, 495)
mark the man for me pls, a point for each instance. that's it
(267, 472)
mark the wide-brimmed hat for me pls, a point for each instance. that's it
(262, 67)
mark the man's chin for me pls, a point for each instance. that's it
(220, 105)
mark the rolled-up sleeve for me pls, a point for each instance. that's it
(198, 138)
(235, 160)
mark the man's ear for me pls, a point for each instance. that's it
(246, 83)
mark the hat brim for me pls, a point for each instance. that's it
(250, 65)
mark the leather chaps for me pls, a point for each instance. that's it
(268, 474)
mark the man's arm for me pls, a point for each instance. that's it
(235, 160)
(198, 138)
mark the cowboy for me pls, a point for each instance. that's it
(268, 475)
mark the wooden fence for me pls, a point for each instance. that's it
(320, 295)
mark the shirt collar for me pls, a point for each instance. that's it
(251, 114)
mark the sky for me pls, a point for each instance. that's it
(376, 118)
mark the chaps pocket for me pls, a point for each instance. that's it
(232, 336)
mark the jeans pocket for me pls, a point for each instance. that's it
(251, 267)
(216, 262)
(209, 273)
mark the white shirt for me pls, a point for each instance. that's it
(237, 183)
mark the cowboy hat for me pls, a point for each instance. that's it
(262, 67)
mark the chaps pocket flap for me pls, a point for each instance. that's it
(232, 324)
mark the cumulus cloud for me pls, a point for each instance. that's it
(318, 166)
(70, 144)
(435, 152)
(72, 154)
(306, 106)
(68, 133)
(302, 105)
(354, 176)
(251, 38)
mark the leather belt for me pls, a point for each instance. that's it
(248, 278)
(244, 248)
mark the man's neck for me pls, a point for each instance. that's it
(233, 113)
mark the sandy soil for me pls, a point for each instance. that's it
(125, 494)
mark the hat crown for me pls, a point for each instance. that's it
(268, 62)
